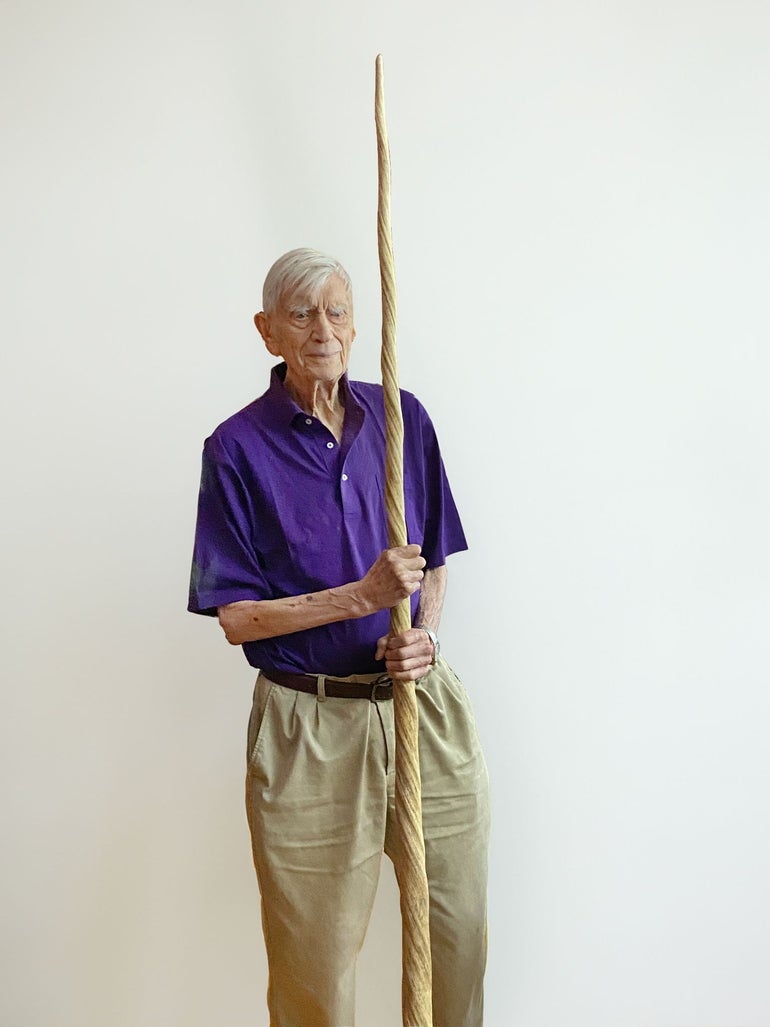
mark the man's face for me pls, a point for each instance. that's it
(313, 334)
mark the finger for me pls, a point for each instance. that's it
(408, 569)
(408, 653)
(407, 663)
(413, 639)
(404, 556)
(414, 563)
(407, 675)
(406, 573)
(381, 646)
(408, 551)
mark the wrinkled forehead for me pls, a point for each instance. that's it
(332, 292)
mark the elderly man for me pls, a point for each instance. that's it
(291, 554)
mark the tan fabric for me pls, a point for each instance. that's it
(319, 797)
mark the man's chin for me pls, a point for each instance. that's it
(327, 368)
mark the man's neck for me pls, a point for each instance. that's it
(322, 400)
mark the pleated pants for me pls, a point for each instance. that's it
(320, 804)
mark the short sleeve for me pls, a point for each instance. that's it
(225, 567)
(443, 530)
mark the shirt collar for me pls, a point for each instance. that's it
(284, 410)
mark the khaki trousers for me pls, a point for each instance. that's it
(320, 803)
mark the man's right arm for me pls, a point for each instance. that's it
(395, 574)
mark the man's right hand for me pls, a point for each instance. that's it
(394, 575)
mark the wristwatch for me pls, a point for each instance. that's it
(434, 639)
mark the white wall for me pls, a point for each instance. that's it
(581, 221)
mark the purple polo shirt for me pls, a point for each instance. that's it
(284, 509)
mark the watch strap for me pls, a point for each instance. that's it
(434, 639)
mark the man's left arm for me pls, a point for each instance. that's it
(412, 654)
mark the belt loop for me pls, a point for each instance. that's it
(383, 680)
(322, 688)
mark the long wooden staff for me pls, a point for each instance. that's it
(416, 1002)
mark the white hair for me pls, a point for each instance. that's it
(301, 270)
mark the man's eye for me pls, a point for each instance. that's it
(336, 315)
(301, 315)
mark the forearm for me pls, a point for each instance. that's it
(251, 621)
(432, 592)
(394, 575)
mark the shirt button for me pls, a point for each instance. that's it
(344, 477)
(330, 445)
(308, 420)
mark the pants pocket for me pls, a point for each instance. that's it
(263, 690)
(458, 689)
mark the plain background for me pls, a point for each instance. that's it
(581, 220)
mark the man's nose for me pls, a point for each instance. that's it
(322, 329)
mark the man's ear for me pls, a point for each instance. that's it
(262, 321)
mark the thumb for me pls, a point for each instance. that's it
(381, 646)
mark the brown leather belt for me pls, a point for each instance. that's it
(380, 688)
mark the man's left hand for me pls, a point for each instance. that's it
(408, 656)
